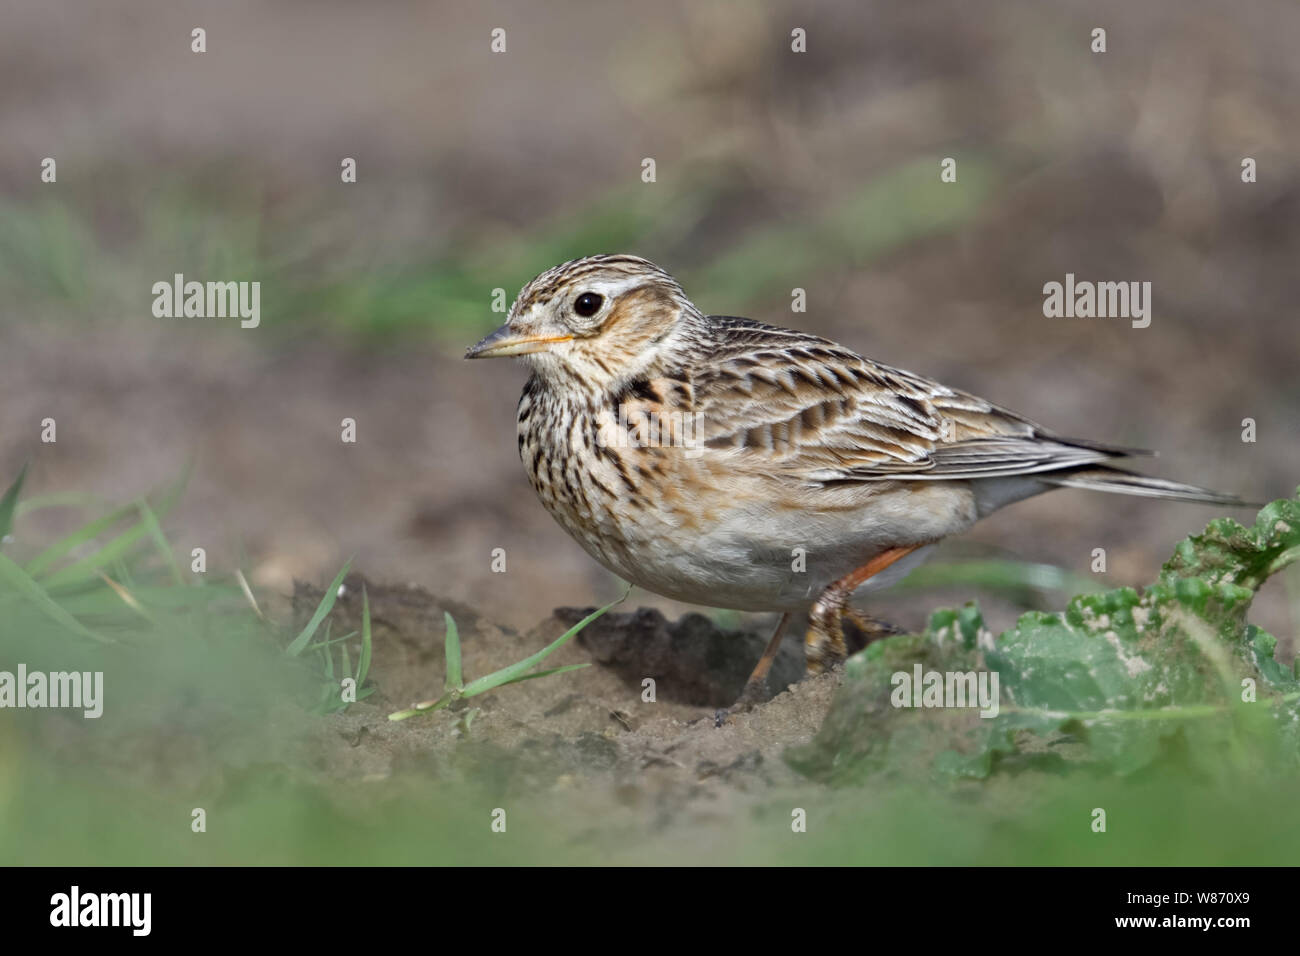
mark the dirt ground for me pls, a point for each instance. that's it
(589, 740)
(1123, 168)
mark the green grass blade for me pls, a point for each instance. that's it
(548, 672)
(317, 645)
(330, 700)
(122, 570)
(155, 530)
(59, 499)
(43, 561)
(86, 567)
(454, 680)
(466, 719)
(156, 597)
(116, 548)
(363, 663)
(125, 595)
(508, 674)
(8, 502)
(297, 645)
(22, 582)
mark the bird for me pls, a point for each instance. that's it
(728, 463)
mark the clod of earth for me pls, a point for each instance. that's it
(691, 660)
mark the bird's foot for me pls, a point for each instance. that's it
(863, 629)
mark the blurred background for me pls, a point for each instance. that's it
(774, 170)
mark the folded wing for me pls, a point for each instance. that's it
(812, 410)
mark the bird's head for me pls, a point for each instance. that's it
(595, 322)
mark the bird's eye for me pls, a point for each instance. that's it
(588, 304)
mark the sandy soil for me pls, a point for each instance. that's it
(588, 741)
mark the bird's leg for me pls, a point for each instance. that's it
(756, 686)
(869, 628)
(824, 644)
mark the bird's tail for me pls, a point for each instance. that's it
(1105, 478)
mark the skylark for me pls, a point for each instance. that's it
(724, 462)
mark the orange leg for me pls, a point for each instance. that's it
(824, 642)
(756, 686)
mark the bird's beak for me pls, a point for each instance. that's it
(505, 341)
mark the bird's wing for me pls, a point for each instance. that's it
(810, 409)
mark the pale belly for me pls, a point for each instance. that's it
(759, 558)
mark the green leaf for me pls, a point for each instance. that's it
(8, 502)
(454, 679)
(299, 643)
(548, 672)
(154, 527)
(1119, 680)
(15, 577)
(363, 663)
(46, 559)
(509, 674)
(330, 642)
(506, 675)
(60, 499)
(116, 548)
(466, 719)
(111, 551)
